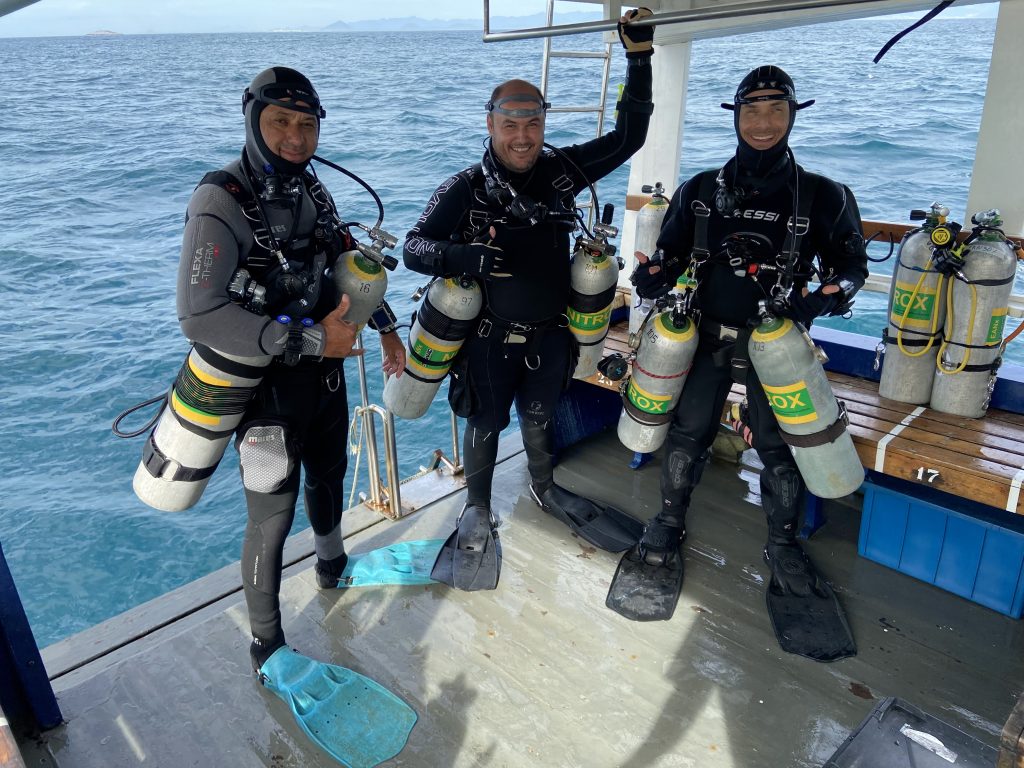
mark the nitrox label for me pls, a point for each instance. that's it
(792, 404)
(430, 358)
(585, 324)
(995, 327)
(913, 304)
(645, 401)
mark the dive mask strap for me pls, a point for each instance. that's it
(529, 98)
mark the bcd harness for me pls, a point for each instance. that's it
(797, 227)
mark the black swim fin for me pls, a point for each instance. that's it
(605, 527)
(805, 613)
(641, 591)
(470, 558)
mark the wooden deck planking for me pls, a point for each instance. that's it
(977, 459)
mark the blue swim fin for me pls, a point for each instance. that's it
(357, 721)
(405, 562)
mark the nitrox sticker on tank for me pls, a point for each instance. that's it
(792, 403)
(995, 326)
(645, 401)
(429, 357)
(912, 303)
(584, 323)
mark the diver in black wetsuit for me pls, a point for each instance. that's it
(241, 222)
(729, 227)
(507, 221)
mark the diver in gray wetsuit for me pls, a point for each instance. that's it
(259, 235)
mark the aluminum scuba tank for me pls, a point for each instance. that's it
(648, 226)
(812, 421)
(594, 275)
(443, 322)
(363, 280)
(203, 408)
(975, 316)
(668, 343)
(917, 301)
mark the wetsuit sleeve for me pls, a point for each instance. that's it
(837, 234)
(211, 248)
(676, 238)
(599, 157)
(430, 246)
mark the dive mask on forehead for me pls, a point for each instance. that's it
(288, 96)
(530, 98)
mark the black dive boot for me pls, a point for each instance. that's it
(805, 613)
(261, 649)
(328, 572)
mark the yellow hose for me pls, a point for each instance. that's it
(935, 314)
(949, 324)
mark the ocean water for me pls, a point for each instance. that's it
(109, 135)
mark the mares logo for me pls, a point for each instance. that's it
(202, 264)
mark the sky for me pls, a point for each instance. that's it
(79, 17)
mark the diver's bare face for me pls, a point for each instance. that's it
(517, 141)
(763, 124)
(289, 134)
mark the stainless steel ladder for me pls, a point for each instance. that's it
(599, 108)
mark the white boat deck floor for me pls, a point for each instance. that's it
(539, 672)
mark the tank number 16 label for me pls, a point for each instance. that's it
(927, 475)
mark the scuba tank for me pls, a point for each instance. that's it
(978, 294)
(916, 307)
(789, 367)
(667, 344)
(648, 227)
(203, 408)
(444, 320)
(363, 280)
(594, 275)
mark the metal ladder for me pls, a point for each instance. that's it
(598, 109)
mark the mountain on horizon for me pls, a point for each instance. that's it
(417, 24)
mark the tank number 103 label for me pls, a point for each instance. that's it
(927, 475)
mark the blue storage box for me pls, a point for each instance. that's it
(963, 554)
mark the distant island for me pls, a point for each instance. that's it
(102, 33)
(416, 24)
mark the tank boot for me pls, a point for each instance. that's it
(328, 572)
(261, 649)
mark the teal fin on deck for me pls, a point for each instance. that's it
(644, 592)
(357, 721)
(605, 527)
(404, 563)
(811, 624)
(470, 558)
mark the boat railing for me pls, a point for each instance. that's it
(386, 498)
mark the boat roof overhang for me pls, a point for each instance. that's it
(684, 20)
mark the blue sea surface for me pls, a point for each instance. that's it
(109, 135)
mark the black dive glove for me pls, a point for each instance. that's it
(804, 309)
(638, 41)
(480, 258)
(650, 285)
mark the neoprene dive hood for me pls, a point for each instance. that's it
(282, 87)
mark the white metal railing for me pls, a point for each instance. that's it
(713, 13)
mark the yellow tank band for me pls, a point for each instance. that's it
(205, 377)
(666, 328)
(773, 330)
(191, 414)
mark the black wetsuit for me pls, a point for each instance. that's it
(728, 305)
(528, 362)
(307, 399)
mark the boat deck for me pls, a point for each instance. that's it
(539, 672)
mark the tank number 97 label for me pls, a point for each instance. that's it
(927, 475)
